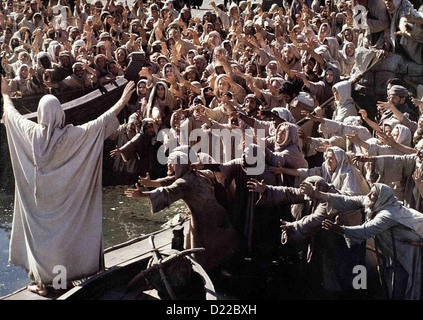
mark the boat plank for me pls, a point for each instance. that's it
(119, 257)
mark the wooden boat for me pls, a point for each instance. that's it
(125, 261)
(80, 106)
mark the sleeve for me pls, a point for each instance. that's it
(21, 125)
(403, 165)
(274, 158)
(108, 120)
(410, 124)
(305, 173)
(162, 197)
(378, 19)
(357, 234)
(275, 195)
(340, 203)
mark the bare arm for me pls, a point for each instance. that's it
(127, 93)
(371, 123)
(398, 146)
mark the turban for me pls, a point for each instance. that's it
(399, 91)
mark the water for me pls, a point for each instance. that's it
(123, 219)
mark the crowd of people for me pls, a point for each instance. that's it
(335, 174)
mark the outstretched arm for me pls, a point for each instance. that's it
(127, 93)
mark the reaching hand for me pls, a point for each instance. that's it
(354, 138)
(360, 158)
(417, 102)
(256, 186)
(277, 170)
(384, 106)
(135, 193)
(116, 152)
(145, 182)
(127, 92)
(333, 226)
(363, 114)
(386, 139)
(418, 177)
(307, 189)
(311, 116)
(6, 88)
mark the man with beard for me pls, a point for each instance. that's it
(144, 146)
(392, 225)
(210, 227)
(62, 69)
(83, 77)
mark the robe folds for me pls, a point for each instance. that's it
(58, 192)
(393, 222)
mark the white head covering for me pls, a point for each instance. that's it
(404, 135)
(387, 201)
(51, 125)
(285, 114)
(305, 98)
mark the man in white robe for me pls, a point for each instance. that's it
(58, 190)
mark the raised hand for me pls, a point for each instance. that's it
(6, 88)
(384, 106)
(363, 114)
(418, 177)
(386, 139)
(127, 92)
(146, 182)
(256, 186)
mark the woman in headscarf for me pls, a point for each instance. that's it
(336, 170)
(121, 56)
(76, 47)
(348, 58)
(161, 104)
(287, 151)
(21, 82)
(324, 31)
(322, 90)
(347, 34)
(100, 67)
(344, 104)
(200, 63)
(393, 226)
(53, 51)
(143, 93)
(333, 46)
(224, 83)
(23, 58)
